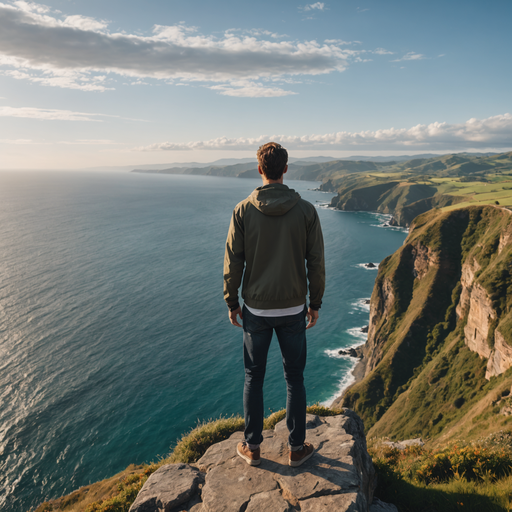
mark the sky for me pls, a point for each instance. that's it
(93, 83)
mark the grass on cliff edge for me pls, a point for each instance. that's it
(461, 476)
(117, 493)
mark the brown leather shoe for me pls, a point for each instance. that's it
(302, 455)
(251, 457)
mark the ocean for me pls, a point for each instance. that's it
(114, 337)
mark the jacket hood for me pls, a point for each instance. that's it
(274, 199)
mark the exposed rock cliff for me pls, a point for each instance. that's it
(449, 286)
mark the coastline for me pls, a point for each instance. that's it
(358, 374)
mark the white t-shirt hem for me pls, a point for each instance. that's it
(295, 310)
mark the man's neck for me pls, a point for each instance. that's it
(270, 182)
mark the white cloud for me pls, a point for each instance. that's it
(382, 51)
(17, 142)
(48, 114)
(41, 46)
(410, 56)
(85, 23)
(67, 79)
(90, 142)
(48, 48)
(340, 42)
(493, 132)
(317, 5)
(54, 115)
(250, 90)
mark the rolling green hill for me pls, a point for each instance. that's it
(408, 189)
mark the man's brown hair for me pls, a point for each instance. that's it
(272, 158)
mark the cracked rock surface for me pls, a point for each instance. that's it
(339, 476)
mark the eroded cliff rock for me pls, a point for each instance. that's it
(480, 333)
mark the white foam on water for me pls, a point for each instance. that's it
(383, 219)
(335, 353)
(363, 265)
(361, 305)
(347, 380)
(357, 333)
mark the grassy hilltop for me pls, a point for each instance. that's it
(408, 189)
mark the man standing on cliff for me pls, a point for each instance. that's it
(274, 236)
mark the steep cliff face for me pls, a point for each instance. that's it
(403, 200)
(477, 306)
(448, 287)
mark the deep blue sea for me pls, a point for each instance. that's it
(114, 337)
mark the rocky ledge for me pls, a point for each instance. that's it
(340, 475)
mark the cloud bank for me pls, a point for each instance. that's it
(50, 114)
(78, 52)
(493, 132)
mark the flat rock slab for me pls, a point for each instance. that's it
(168, 488)
(338, 477)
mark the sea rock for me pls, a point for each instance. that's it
(170, 487)
(339, 476)
(351, 352)
(365, 329)
(370, 265)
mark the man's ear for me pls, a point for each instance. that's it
(259, 170)
(285, 169)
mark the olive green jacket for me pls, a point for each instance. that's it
(274, 237)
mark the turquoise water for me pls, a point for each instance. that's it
(114, 338)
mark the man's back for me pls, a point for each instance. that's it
(274, 232)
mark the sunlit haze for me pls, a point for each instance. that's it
(119, 83)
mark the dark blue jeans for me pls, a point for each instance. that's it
(291, 334)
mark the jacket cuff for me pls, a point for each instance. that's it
(315, 307)
(233, 307)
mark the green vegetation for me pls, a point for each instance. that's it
(470, 477)
(408, 189)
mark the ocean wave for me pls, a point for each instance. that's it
(356, 332)
(384, 219)
(347, 380)
(361, 304)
